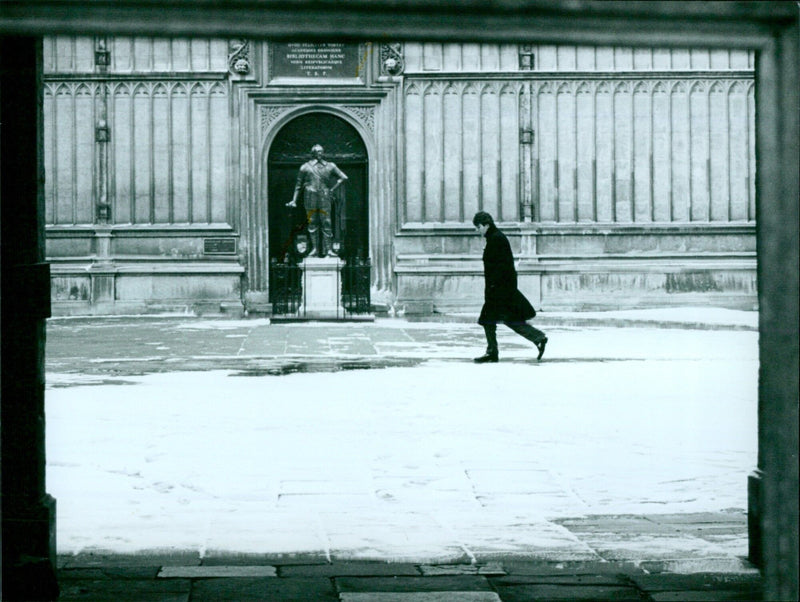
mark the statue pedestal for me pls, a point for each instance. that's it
(322, 287)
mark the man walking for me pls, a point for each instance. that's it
(503, 303)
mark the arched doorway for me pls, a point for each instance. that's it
(288, 226)
(290, 149)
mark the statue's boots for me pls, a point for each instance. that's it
(327, 246)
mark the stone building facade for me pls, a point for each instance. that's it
(623, 177)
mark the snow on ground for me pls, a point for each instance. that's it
(688, 315)
(430, 459)
(224, 324)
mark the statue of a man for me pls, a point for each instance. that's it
(318, 179)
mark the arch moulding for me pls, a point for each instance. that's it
(270, 119)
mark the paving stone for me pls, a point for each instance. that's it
(700, 565)
(697, 581)
(201, 572)
(274, 590)
(222, 558)
(490, 568)
(628, 525)
(651, 547)
(557, 552)
(112, 572)
(530, 593)
(420, 597)
(108, 559)
(149, 590)
(542, 539)
(403, 552)
(735, 517)
(350, 569)
(716, 532)
(227, 558)
(604, 580)
(715, 596)
(245, 589)
(463, 583)
(521, 567)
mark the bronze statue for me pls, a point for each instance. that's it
(318, 179)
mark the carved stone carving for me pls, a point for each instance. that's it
(102, 56)
(526, 57)
(270, 114)
(239, 56)
(392, 62)
(365, 114)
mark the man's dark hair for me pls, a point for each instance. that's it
(482, 219)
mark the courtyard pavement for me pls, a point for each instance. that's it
(591, 475)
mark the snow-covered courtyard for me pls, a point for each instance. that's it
(438, 460)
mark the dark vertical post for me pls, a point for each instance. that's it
(773, 490)
(28, 512)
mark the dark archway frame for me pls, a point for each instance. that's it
(290, 148)
(770, 28)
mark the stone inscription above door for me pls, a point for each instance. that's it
(317, 61)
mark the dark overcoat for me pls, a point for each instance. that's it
(502, 300)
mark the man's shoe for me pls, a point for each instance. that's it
(487, 358)
(540, 346)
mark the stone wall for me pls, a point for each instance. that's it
(137, 155)
(624, 177)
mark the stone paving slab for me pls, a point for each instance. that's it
(461, 583)
(419, 597)
(572, 580)
(120, 573)
(490, 568)
(142, 559)
(398, 552)
(279, 560)
(700, 565)
(523, 567)
(534, 540)
(733, 517)
(615, 524)
(150, 590)
(218, 558)
(637, 547)
(529, 593)
(196, 572)
(696, 581)
(261, 590)
(691, 596)
(351, 569)
(509, 580)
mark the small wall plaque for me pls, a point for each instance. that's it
(219, 246)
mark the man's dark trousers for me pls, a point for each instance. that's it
(534, 335)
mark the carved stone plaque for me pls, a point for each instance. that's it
(316, 60)
(219, 246)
